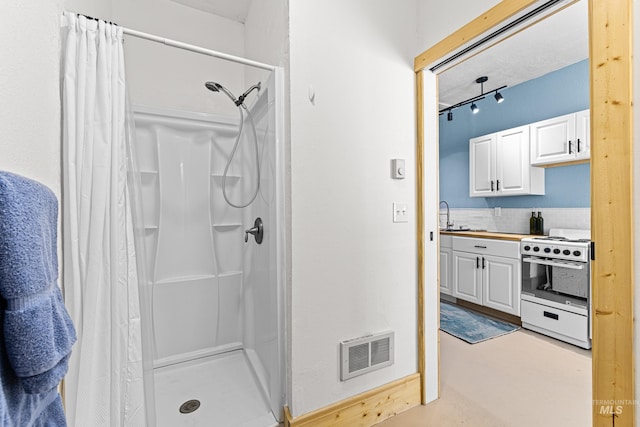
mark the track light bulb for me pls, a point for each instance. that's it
(474, 108)
(499, 98)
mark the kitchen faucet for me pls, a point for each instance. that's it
(449, 222)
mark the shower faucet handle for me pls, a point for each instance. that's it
(253, 231)
(257, 231)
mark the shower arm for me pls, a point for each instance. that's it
(242, 97)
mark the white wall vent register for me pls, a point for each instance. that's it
(366, 354)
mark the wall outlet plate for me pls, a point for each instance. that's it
(400, 212)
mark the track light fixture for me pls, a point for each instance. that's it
(474, 108)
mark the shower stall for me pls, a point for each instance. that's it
(214, 299)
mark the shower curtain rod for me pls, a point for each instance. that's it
(190, 47)
(197, 49)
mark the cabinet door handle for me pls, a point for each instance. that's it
(497, 185)
(553, 316)
(477, 262)
(578, 145)
(491, 185)
(570, 152)
(483, 263)
(480, 246)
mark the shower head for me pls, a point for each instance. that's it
(217, 87)
(212, 86)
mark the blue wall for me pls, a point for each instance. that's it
(554, 94)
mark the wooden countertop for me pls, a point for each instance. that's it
(488, 235)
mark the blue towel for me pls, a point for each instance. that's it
(37, 331)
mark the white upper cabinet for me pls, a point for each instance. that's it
(482, 166)
(583, 135)
(561, 139)
(499, 165)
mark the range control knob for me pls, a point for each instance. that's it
(577, 253)
(526, 248)
(536, 249)
(566, 252)
(547, 250)
(556, 251)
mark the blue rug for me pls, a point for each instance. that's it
(470, 326)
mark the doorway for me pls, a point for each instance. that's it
(610, 53)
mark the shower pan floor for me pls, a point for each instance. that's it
(225, 386)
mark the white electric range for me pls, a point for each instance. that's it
(556, 285)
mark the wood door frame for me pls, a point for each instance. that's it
(611, 67)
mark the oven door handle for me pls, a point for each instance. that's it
(552, 263)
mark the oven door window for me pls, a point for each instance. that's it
(555, 280)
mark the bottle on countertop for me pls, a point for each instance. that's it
(540, 224)
(533, 221)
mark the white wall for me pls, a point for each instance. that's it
(354, 271)
(167, 77)
(438, 18)
(267, 32)
(29, 81)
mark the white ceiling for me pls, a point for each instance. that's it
(235, 10)
(556, 42)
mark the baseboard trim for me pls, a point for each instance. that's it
(365, 409)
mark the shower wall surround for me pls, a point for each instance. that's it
(193, 238)
(212, 292)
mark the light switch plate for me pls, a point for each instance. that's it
(400, 212)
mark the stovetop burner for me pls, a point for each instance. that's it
(561, 244)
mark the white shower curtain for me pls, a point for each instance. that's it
(104, 386)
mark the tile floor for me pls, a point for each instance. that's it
(522, 379)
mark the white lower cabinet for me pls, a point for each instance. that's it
(487, 272)
(467, 277)
(446, 255)
(501, 277)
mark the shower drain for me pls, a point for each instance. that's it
(189, 406)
